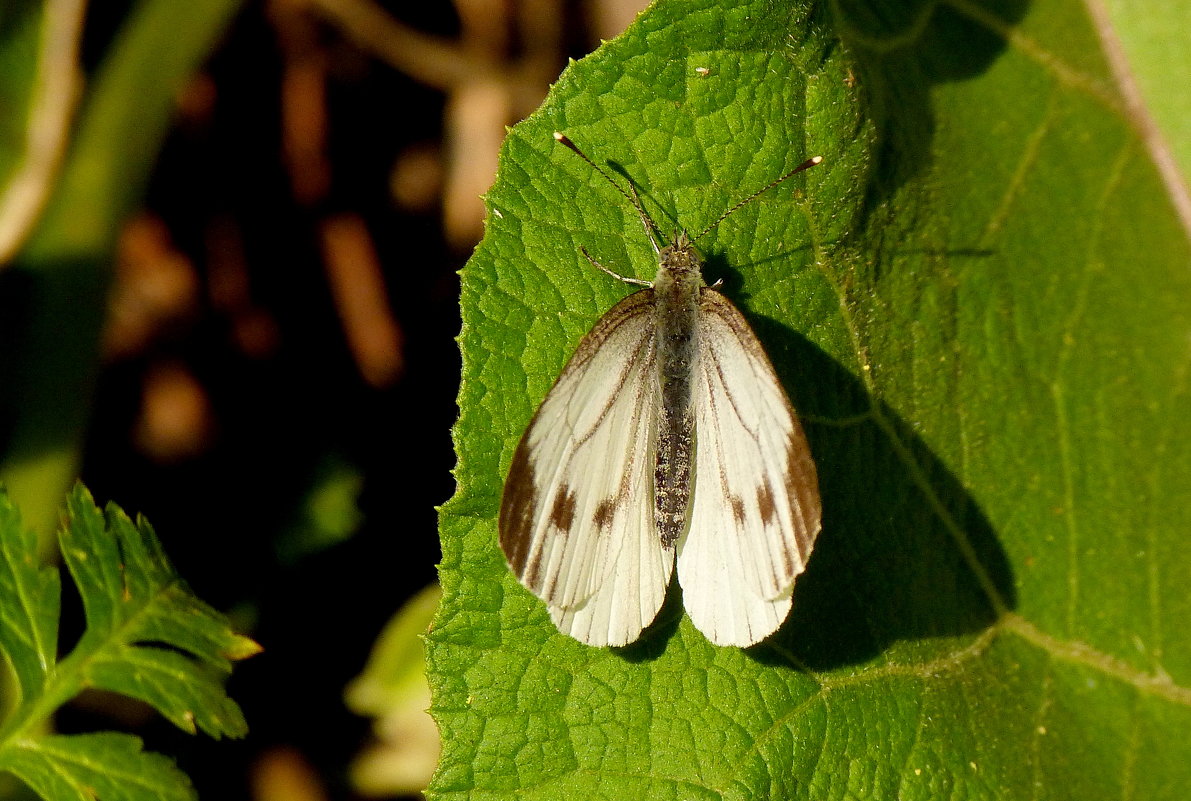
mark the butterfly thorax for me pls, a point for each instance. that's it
(676, 296)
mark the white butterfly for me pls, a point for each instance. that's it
(667, 432)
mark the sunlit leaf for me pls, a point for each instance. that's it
(979, 303)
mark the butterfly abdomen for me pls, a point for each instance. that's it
(676, 295)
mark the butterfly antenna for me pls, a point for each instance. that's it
(806, 165)
(634, 198)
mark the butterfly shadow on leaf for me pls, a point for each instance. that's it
(657, 635)
(905, 552)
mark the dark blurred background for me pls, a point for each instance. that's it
(279, 366)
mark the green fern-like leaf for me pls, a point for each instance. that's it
(147, 637)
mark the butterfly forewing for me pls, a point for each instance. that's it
(577, 520)
(755, 505)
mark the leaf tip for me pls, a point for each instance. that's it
(242, 648)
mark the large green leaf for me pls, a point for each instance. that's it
(978, 302)
(147, 637)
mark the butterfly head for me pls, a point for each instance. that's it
(680, 256)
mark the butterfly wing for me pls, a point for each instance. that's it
(577, 518)
(755, 504)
